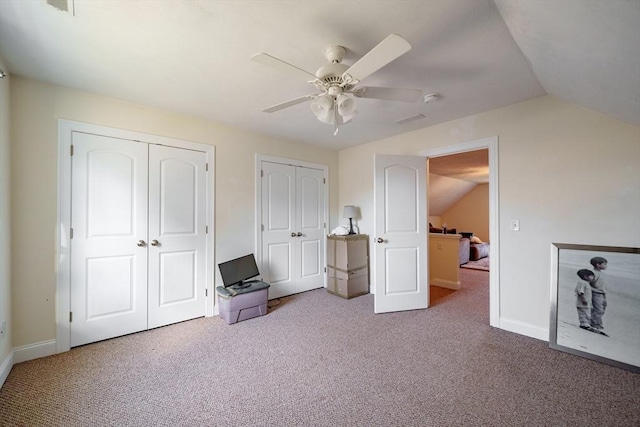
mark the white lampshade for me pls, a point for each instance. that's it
(346, 106)
(350, 211)
(322, 107)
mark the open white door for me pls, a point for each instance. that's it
(400, 239)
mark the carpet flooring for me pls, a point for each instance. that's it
(319, 360)
(481, 264)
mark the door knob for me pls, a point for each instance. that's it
(293, 234)
(299, 234)
(154, 242)
(379, 240)
(141, 243)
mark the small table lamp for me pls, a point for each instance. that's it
(350, 212)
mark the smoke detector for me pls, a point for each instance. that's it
(431, 97)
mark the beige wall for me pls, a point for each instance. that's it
(568, 174)
(471, 213)
(5, 257)
(35, 108)
(444, 260)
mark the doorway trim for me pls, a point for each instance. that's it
(490, 143)
(63, 223)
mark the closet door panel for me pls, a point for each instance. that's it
(109, 220)
(310, 245)
(278, 220)
(177, 234)
(293, 228)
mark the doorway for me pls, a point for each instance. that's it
(490, 144)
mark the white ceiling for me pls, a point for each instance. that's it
(193, 56)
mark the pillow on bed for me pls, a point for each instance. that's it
(475, 239)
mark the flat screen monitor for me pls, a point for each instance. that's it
(236, 271)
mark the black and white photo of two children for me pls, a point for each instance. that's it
(597, 307)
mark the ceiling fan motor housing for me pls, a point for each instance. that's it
(331, 70)
(335, 54)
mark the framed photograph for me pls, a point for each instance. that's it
(595, 303)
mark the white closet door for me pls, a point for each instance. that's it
(293, 228)
(108, 249)
(279, 229)
(310, 230)
(177, 235)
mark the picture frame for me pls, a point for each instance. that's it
(575, 328)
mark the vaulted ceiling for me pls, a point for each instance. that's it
(193, 57)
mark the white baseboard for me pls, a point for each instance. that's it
(443, 283)
(5, 368)
(34, 351)
(522, 328)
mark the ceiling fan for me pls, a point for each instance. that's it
(334, 80)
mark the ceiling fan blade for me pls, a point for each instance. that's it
(289, 103)
(386, 51)
(388, 93)
(279, 64)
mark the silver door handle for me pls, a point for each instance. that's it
(299, 234)
(154, 242)
(141, 243)
(379, 240)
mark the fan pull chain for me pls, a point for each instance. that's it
(336, 115)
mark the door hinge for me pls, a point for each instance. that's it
(262, 227)
(206, 292)
(206, 229)
(71, 150)
(206, 166)
(324, 180)
(325, 269)
(70, 316)
(71, 233)
(261, 173)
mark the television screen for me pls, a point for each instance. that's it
(237, 270)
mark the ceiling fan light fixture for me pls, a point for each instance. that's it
(335, 79)
(326, 106)
(346, 106)
(322, 107)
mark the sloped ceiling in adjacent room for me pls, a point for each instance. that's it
(452, 177)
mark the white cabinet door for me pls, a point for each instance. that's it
(177, 235)
(108, 249)
(293, 225)
(400, 240)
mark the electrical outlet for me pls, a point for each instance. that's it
(515, 225)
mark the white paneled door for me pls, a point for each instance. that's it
(293, 228)
(400, 239)
(177, 230)
(138, 244)
(108, 246)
